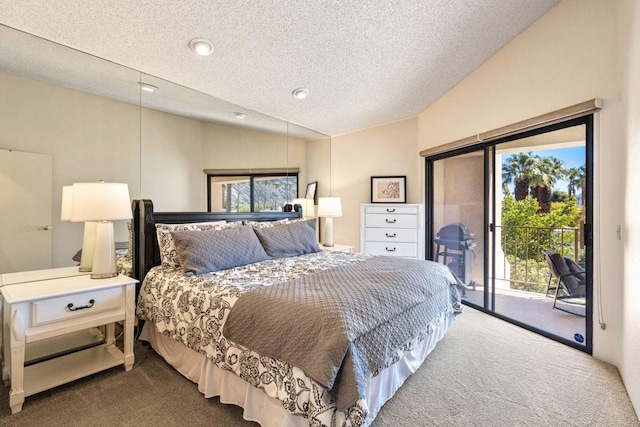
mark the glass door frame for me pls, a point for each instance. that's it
(489, 150)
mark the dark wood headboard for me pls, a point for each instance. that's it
(146, 253)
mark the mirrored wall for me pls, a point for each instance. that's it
(100, 120)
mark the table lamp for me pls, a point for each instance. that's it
(101, 202)
(329, 208)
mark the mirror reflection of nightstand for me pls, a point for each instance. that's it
(337, 248)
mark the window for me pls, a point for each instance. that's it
(251, 192)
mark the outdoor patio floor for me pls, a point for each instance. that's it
(535, 310)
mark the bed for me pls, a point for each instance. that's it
(190, 314)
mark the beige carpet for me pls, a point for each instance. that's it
(485, 372)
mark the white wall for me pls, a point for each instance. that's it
(630, 366)
(572, 54)
(171, 166)
(388, 149)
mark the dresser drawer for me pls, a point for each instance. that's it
(393, 249)
(391, 235)
(403, 210)
(391, 221)
(76, 305)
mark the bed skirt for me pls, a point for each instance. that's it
(267, 411)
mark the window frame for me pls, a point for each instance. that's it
(253, 176)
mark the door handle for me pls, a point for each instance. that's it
(46, 228)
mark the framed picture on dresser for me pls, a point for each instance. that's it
(311, 192)
(388, 189)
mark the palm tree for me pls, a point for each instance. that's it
(518, 169)
(582, 183)
(573, 175)
(545, 173)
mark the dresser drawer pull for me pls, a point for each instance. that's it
(391, 210)
(390, 249)
(70, 306)
(390, 235)
(390, 221)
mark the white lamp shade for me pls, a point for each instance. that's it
(67, 199)
(100, 201)
(308, 208)
(329, 207)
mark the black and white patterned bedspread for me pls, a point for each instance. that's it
(193, 310)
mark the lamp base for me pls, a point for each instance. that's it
(328, 232)
(104, 256)
(102, 276)
(88, 246)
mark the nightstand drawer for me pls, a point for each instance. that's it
(393, 249)
(76, 305)
(391, 235)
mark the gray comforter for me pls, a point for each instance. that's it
(341, 324)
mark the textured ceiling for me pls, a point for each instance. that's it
(365, 62)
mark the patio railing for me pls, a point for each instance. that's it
(525, 267)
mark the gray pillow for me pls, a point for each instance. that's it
(213, 250)
(291, 239)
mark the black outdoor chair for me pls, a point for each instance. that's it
(570, 280)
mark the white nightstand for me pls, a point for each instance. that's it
(337, 248)
(43, 304)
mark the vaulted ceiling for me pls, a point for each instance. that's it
(365, 62)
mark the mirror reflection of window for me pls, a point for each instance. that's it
(251, 193)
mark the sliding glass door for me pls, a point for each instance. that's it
(457, 218)
(512, 219)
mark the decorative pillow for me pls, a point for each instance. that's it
(570, 281)
(168, 255)
(577, 271)
(291, 239)
(213, 250)
(265, 224)
(130, 243)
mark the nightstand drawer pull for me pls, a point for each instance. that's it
(70, 306)
(391, 210)
(390, 234)
(390, 249)
(390, 221)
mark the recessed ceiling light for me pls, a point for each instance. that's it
(240, 115)
(300, 93)
(147, 87)
(201, 46)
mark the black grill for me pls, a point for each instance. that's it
(456, 236)
(455, 244)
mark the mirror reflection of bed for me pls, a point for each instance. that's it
(193, 320)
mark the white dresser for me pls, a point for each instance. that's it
(392, 229)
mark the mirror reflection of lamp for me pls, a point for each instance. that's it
(329, 208)
(101, 202)
(89, 237)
